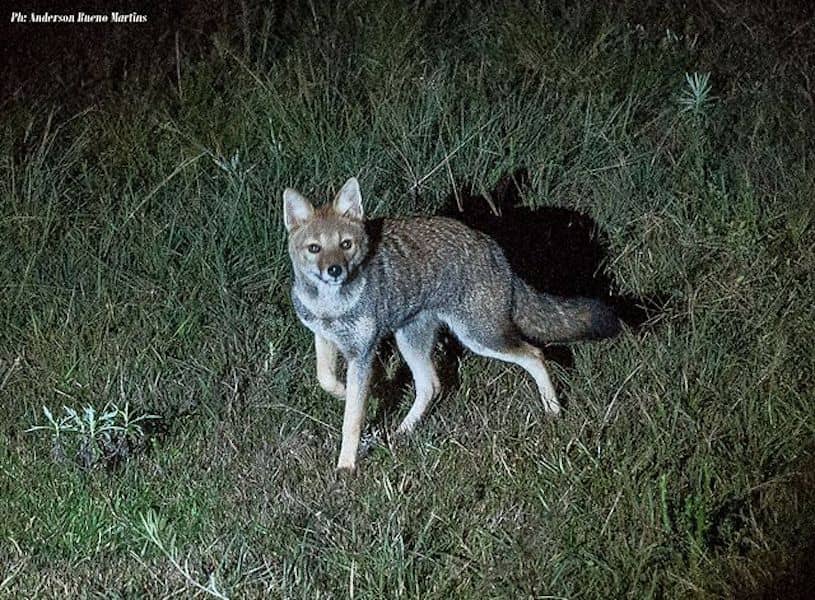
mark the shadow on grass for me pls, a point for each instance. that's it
(556, 250)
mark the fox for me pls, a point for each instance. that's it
(357, 281)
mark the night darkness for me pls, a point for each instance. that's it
(65, 63)
(71, 62)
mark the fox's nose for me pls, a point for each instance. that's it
(335, 271)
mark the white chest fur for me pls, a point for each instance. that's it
(329, 315)
(330, 302)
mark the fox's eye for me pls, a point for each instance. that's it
(314, 248)
(345, 244)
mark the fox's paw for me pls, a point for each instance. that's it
(550, 404)
(335, 388)
(407, 426)
(338, 391)
(346, 469)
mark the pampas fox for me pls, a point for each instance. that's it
(357, 281)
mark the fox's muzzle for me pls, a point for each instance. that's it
(334, 270)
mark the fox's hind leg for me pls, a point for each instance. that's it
(531, 359)
(415, 342)
(505, 344)
(327, 367)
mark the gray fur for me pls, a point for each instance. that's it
(410, 276)
(548, 318)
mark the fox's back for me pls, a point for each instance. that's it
(433, 263)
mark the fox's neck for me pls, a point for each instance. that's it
(326, 301)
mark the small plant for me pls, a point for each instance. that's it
(93, 438)
(696, 98)
(231, 165)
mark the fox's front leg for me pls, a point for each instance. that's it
(358, 378)
(327, 367)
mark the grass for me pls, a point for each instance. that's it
(143, 263)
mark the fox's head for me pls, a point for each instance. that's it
(326, 244)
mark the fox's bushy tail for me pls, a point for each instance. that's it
(547, 318)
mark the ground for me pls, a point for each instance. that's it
(143, 264)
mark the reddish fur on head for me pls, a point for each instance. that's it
(331, 235)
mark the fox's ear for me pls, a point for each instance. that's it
(296, 209)
(348, 202)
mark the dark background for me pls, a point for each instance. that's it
(79, 63)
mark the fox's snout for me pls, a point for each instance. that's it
(333, 267)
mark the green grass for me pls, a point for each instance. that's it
(140, 263)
